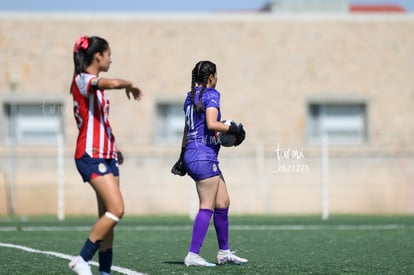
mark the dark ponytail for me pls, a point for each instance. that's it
(193, 84)
(200, 75)
(84, 51)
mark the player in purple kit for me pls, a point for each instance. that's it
(198, 158)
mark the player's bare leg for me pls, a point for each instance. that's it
(222, 197)
(105, 251)
(108, 192)
(207, 192)
(107, 189)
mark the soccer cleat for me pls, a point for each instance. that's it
(193, 259)
(227, 256)
(80, 267)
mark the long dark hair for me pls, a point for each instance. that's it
(199, 75)
(84, 50)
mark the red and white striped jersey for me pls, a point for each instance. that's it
(91, 110)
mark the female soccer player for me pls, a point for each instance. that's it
(96, 155)
(198, 158)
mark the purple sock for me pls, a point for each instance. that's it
(200, 228)
(221, 223)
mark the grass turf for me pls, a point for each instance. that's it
(273, 245)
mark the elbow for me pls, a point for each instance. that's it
(211, 127)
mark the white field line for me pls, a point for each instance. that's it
(232, 227)
(119, 269)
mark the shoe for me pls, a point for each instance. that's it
(227, 256)
(104, 273)
(193, 259)
(80, 267)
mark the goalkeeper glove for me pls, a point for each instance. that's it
(238, 131)
(178, 168)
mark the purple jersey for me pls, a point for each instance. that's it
(199, 137)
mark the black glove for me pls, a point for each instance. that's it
(178, 168)
(238, 131)
(234, 128)
(240, 136)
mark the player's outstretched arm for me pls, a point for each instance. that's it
(130, 88)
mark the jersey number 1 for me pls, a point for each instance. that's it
(189, 116)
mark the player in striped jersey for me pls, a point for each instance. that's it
(96, 154)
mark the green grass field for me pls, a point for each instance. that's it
(273, 245)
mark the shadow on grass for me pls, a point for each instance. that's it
(174, 262)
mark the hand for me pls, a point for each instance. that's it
(135, 91)
(240, 136)
(238, 131)
(120, 157)
(178, 168)
(234, 128)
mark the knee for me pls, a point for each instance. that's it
(115, 214)
(223, 204)
(119, 212)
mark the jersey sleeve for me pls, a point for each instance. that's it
(212, 99)
(87, 83)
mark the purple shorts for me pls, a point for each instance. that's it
(202, 169)
(90, 168)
